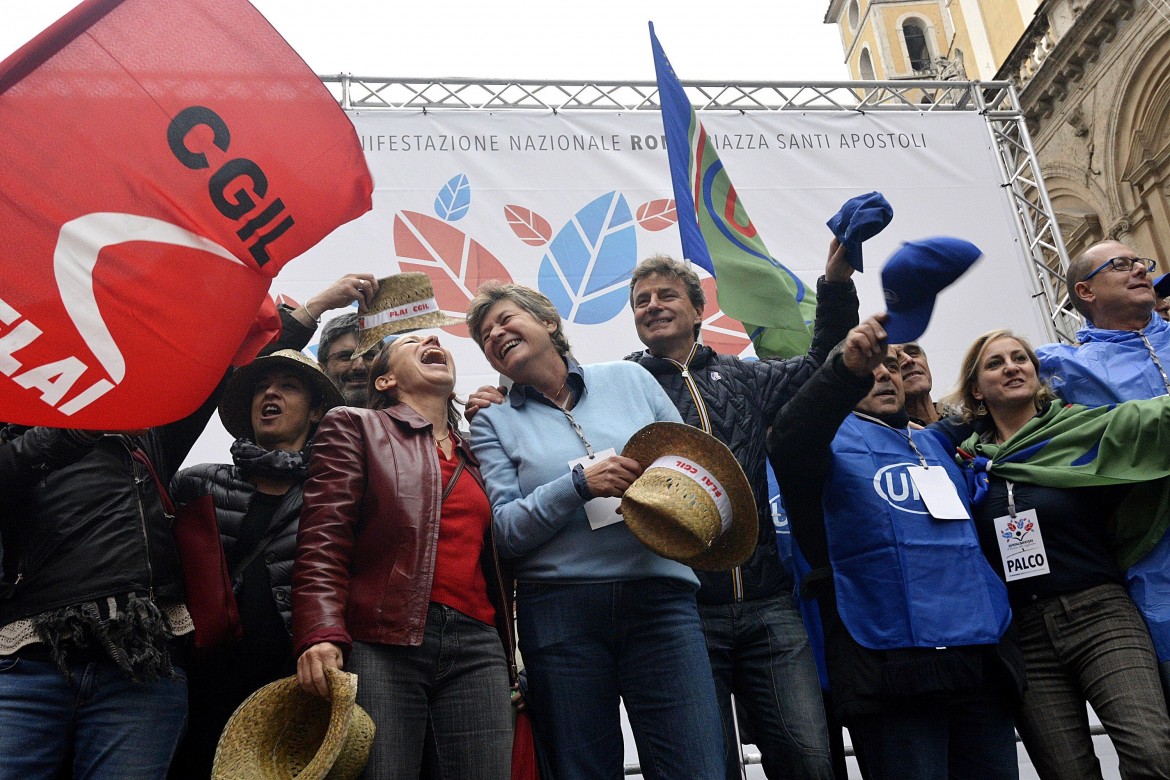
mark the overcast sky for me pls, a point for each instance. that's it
(765, 40)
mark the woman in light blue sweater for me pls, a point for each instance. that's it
(600, 616)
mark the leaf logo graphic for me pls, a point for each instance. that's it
(720, 332)
(657, 214)
(529, 227)
(454, 199)
(456, 263)
(589, 263)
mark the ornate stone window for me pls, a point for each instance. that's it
(914, 34)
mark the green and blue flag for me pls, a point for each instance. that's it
(774, 305)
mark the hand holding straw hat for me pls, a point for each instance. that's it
(692, 503)
(404, 302)
(282, 732)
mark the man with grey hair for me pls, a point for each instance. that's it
(1122, 354)
(756, 640)
(338, 357)
(917, 382)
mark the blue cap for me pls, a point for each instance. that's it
(1162, 285)
(914, 276)
(859, 219)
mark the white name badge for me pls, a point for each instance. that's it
(600, 511)
(1021, 546)
(938, 493)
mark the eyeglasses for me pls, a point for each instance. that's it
(350, 356)
(1124, 264)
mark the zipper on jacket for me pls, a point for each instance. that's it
(705, 426)
(142, 518)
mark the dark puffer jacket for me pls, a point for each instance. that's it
(232, 495)
(741, 398)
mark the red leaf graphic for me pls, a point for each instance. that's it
(529, 226)
(720, 332)
(657, 214)
(456, 263)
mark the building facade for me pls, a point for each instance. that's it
(1093, 79)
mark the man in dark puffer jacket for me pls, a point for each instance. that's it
(757, 643)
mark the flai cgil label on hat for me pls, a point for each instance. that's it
(704, 479)
(404, 312)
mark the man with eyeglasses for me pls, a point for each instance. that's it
(1122, 354)
(336, 355)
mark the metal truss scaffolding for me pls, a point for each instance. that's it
(996, 101)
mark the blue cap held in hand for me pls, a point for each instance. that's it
(914, 276)
(859, 219)
(1162, 286)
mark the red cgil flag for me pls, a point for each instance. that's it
(163, 160)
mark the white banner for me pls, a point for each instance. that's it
(570, 202)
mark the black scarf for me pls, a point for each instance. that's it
(253, 460)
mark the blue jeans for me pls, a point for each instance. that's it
(113, 728)
(587, 645)
(455, 682)
(960, 735)
(759, 651)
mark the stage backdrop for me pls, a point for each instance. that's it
(569, 203)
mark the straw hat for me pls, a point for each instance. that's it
(693, 503)
(281, 732)
(404, 302)
(235, 407)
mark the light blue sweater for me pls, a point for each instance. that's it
(524, 452)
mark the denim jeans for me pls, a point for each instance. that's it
(456, 682)
(1091, 645)
(112, 727)
(587, 645)
(959, 735)
(759, 651)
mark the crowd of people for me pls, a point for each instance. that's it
(987, 564)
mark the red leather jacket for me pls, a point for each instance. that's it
(369, 530)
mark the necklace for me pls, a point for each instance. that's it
(557, 395)
(439, 440)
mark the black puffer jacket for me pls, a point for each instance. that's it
(741, 398)
(81, 520)
(232, 495)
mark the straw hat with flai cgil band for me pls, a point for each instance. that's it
(404, 302)
(693, 503)
(281, 732)
(235, 406)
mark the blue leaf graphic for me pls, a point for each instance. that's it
(589, 262)
(454, 199)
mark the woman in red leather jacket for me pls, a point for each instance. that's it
(396, 576)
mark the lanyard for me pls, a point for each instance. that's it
(1011, 498)
(577, 430)
(904, 434)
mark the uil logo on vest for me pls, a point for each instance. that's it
(894, 485)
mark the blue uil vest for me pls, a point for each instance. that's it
(904, 579)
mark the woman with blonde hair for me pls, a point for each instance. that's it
(1048, 479)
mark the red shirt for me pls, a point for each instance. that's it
(463, 525)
